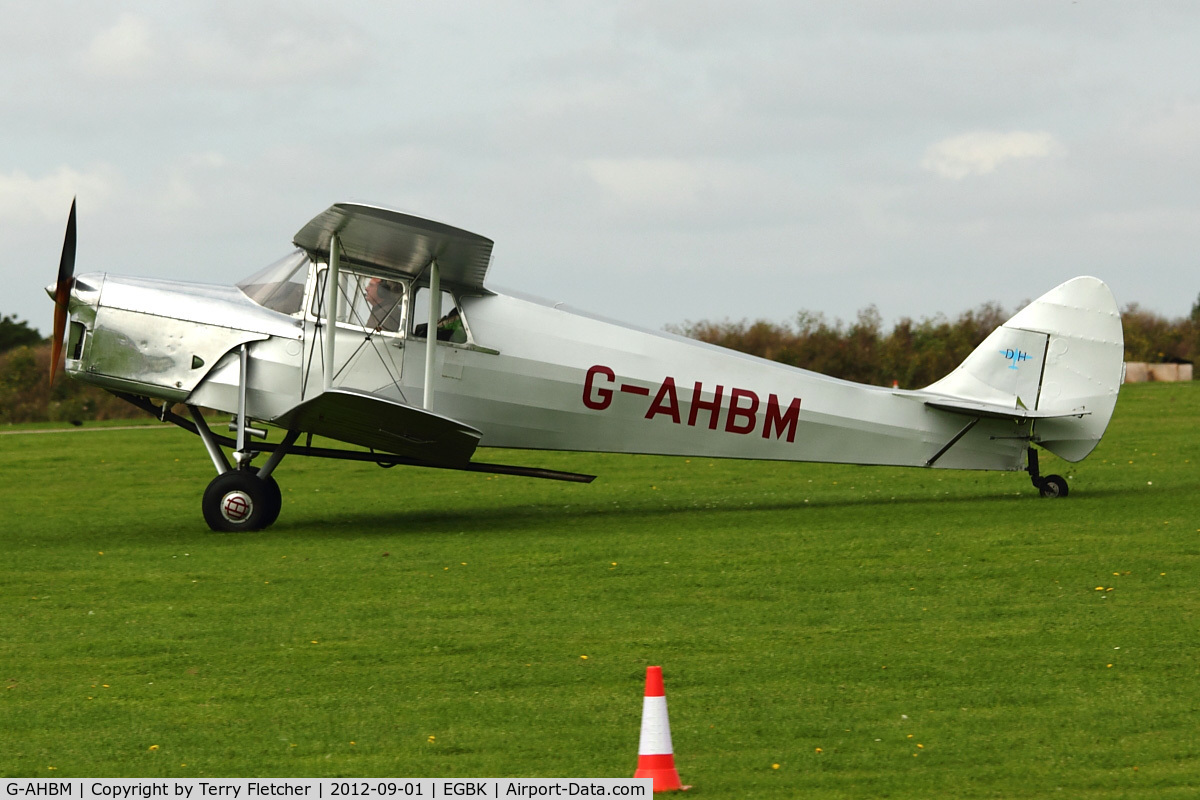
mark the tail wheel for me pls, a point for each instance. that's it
(239, 500)
(1053, 486)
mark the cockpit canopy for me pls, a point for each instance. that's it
(279, 287)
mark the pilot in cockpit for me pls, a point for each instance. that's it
(449, 328)
(386, 308)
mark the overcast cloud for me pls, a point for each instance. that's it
(651, 161)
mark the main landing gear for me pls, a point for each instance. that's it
(1048, 486)
(241, 500)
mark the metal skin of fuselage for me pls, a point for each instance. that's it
(536, 375)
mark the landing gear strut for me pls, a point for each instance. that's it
(1048, 486)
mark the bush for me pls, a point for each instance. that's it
(915, 354)
(25, 394)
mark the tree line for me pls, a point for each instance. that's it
(912, 354)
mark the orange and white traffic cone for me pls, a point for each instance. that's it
(656, 759)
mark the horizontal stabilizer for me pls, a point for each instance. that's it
(975, 409)
(380, 424)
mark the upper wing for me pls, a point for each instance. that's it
(398, 243)
(371, 421)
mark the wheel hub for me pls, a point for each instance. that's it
(236, 506)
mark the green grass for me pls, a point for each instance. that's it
(422, 623)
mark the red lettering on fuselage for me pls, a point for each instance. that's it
(593, 398)
(665, 402)
(741, 414)
(748, 413)
(698, 404)
(790, 418)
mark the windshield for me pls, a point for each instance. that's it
(279, 287)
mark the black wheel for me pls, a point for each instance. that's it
(1053, 486)
(238, 501)
(274, 501)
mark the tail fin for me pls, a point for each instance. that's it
(1058, 361)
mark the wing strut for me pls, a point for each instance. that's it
(331, 303)
(435, 313)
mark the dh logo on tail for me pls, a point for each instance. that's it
(1015, 356)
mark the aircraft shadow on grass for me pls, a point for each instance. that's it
(524, 517)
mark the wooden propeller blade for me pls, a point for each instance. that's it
(62, 293)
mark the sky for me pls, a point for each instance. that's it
(658, 162)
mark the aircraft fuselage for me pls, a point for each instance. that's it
(532, 375)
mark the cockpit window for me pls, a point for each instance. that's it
(451, 327)
(364, 301)
(279, 287)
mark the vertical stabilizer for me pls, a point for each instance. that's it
(1060, 357)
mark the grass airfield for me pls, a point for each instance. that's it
(824, 631)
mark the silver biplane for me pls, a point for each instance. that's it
(378, 331)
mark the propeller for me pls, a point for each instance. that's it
(62, 293)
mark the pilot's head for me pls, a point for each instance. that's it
(384, 292)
